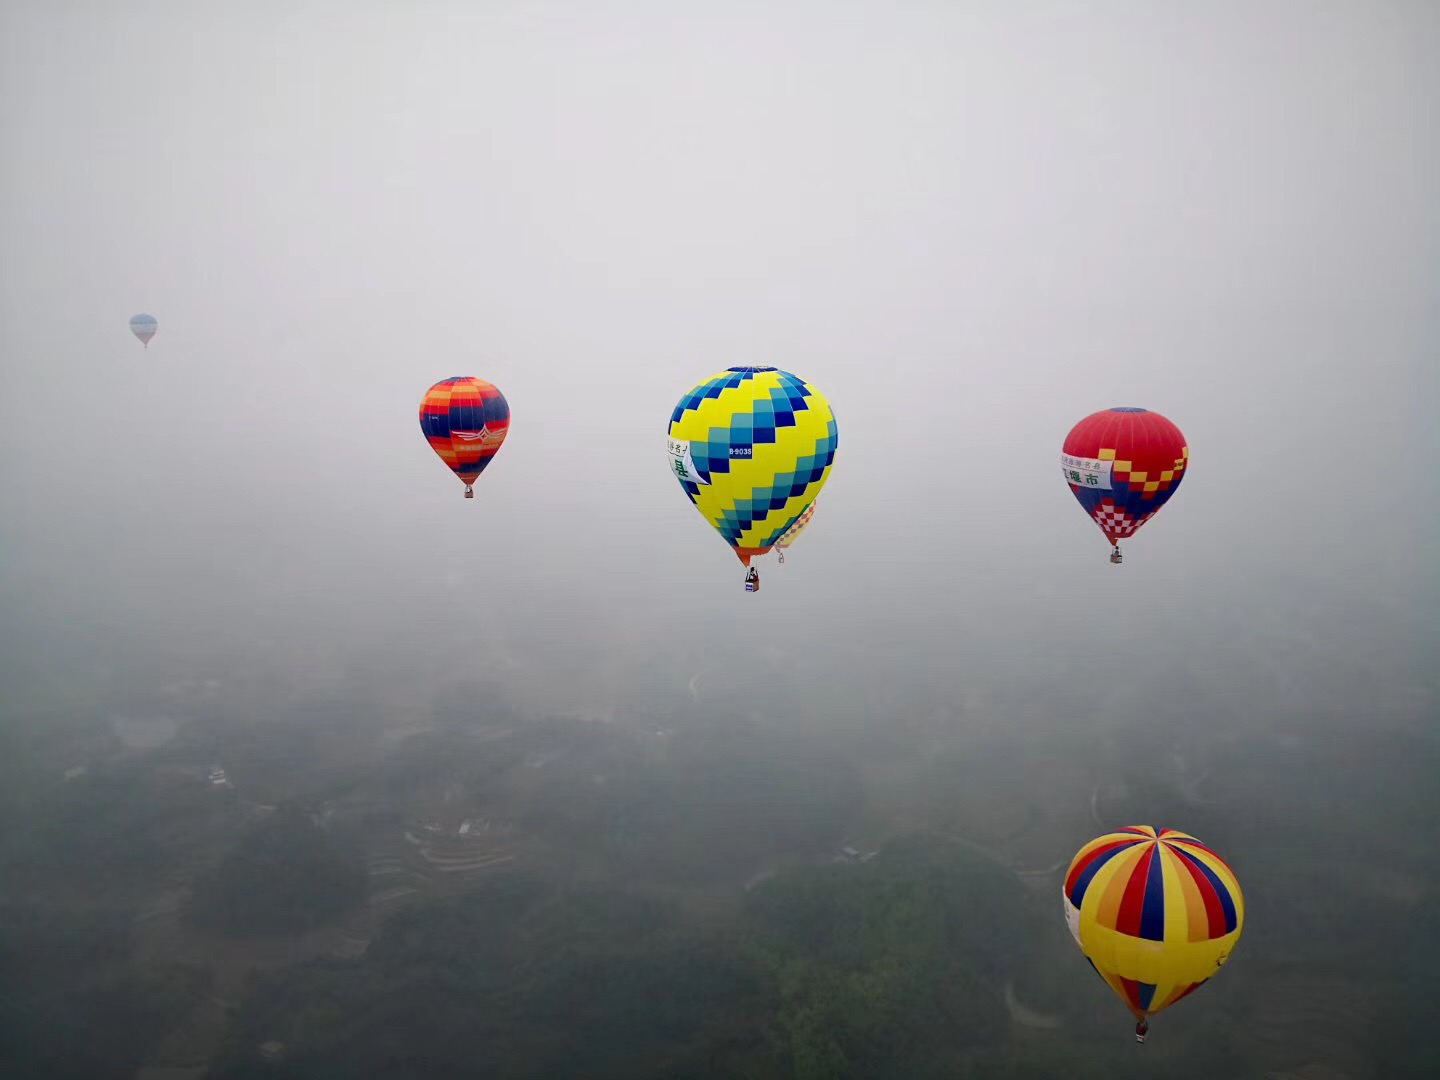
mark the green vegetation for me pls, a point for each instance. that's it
(886, 968)
(698, 806)
(617, 936)
(723, 800)
(119, 825)
(286, 875)
(72, 1005)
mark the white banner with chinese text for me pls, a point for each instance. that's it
(1086, 472)
(682, 463)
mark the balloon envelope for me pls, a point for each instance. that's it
(1123, 465)
(465, 420)
(1155, 913)
(144, 327)
(752, 447)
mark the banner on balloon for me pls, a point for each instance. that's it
(682, 463)
(1086, 472)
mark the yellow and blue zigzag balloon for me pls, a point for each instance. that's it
(752, 447)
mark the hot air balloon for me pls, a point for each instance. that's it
(752, 447)
(1123, 465)
(1155, 913)
(793, 533)
(144, 327)
(465, 420)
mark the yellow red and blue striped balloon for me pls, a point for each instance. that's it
(1156, 913)
(752, 447)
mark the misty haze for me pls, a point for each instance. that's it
(312, 768)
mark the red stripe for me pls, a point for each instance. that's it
(1091, 856)
(1131, 904)
(1214, 912)
(1132, 992)
(1197, 845)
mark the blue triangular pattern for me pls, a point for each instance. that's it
(712, 388)
(1145, 992)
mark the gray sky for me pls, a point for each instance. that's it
(969, 224)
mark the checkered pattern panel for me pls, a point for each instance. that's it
(796, 527)
(713, 387)
(1116, 521)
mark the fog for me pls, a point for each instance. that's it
(969, 225)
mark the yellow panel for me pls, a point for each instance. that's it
(1153, 485)
(1187, 897)
(1116, 874)
(1139, 477)
(1107, 455)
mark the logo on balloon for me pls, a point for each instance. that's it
(484, 436)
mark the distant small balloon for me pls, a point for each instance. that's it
(1122, 466)
(144, 327)
(465, 420)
